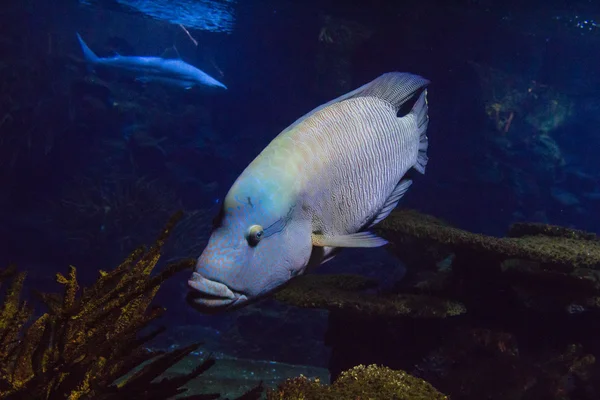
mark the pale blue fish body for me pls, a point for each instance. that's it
(171, 71)
(317, 187)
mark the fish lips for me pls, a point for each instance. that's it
(209, 296)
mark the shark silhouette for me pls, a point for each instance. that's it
(171, 71)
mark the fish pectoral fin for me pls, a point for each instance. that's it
(359, 239)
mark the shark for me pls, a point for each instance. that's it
(170, 71)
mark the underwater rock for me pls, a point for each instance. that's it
(520, 291)
(544, 267)
(483, 363)
(561, 253)
(368, 382)
(522, 229)
(343, 293)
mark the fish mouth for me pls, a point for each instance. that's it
(207, 294)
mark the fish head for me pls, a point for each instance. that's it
(250, 253)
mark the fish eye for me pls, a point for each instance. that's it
(254, 234)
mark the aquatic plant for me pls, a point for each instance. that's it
(360, 382)
(343, 292)
(89, 341)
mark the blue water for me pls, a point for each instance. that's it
(92, 163)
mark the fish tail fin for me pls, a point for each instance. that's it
(89, 55)
(419, 111)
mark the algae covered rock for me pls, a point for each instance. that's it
(361, 382)
(522, 229)
(345, 293)
(561, 251)
(541, 266)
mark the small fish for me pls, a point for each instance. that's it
(316, 188)
(171, 71)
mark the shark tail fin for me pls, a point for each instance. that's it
(89, 55)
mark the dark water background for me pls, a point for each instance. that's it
(75, 146)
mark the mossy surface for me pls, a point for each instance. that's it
(521, 229)
(344, 292)
(361, 382)
(564, 252)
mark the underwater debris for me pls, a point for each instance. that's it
(89, 341)
(360, 382)
(342, 292)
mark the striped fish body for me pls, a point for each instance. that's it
(343, 163)
(317, 187)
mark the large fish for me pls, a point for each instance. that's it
(170, 71)
(317, 187)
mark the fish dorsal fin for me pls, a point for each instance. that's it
(392, 201)
(358, 239)
(394, 87)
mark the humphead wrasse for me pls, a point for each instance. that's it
(317, 187)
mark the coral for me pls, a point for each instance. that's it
(560, 253)
(521, 229)
(542, 266)
(87, 343)
(342, 292)
(361, 382)
(531, 327)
